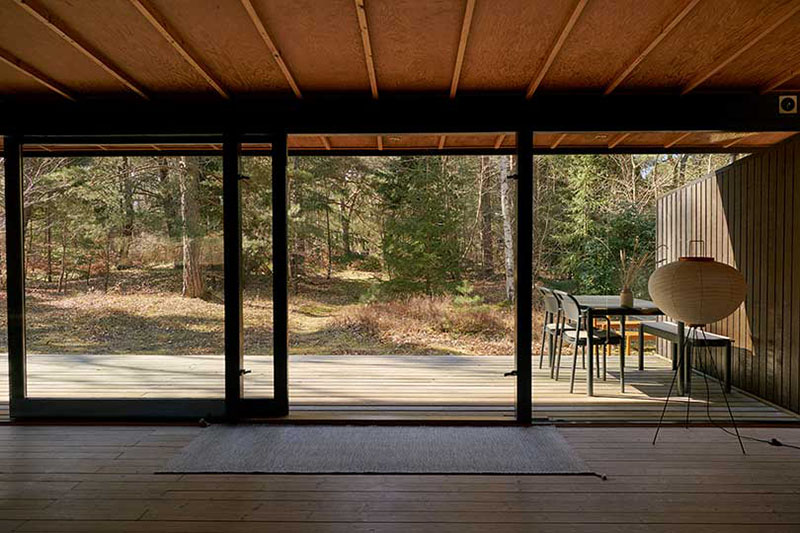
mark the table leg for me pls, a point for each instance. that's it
(681, 359)
(622, 354)
(727, 369)
(590, 348)
(641, 346)
(687, 346)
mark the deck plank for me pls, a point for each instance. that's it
(390, 387)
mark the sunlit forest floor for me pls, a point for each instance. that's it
(144, 313)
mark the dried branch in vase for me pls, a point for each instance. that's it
(630, 267)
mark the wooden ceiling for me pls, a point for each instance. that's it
(212, 50)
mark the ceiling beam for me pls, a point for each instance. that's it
(59, 28)
(423, 114)
(671, 25)
(779, 80)
(558, 141)
(618, 139)
(276, 54)
(556, 47)
(677, 139)
(499, 140)
(462, 46)
(166, 30)
(752, 40)
(24, 68)
(361, 12)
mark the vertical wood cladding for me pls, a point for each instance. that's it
(748, 216)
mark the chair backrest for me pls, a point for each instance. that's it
(550, 301)
(572, 310)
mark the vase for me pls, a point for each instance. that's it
(626, 297)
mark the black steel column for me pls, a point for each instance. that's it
(280, 270)
(523, 277)
(232, 228)
(15, 260)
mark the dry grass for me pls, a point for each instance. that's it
(433, 324)
(143, 313)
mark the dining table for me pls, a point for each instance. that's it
(606, 306)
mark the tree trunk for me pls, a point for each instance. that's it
(107, 262)
(487, 239)
(508, 236)
(193, 285)
(169, 202)
(49, 245)
(345, 219)
(328, 235)
(126, 186)
(62, 276)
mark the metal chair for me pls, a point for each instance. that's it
(552, 326)
(579, 336)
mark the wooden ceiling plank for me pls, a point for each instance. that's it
(677, 139)
(442, 139)
(62, 30)
(325, 142)
(24, 68)
(558, 141)
(556, 47)
(365, 41)
(166, 30)
(780, 80)
(737, 140)
(671, 25)
(380, 143)
(273, 49)
(618, 139)
(499, 140)
(462, 46)
(749, 43)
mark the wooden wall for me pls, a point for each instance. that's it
(748, 216)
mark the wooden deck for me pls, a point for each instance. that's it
(390, 387)
(81, 478)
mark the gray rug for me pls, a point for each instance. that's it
(269, 449)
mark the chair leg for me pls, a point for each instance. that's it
(557, 366)
(605, 362)
(574, 366)
(544, 334)
(597, 359)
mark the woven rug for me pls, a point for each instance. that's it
(301, 449)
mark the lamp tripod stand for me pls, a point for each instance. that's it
(692, 333)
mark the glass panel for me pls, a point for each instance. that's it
(124, 269)
(398, 285)
(257, 281)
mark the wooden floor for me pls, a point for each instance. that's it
(390, 387)
(82, 478)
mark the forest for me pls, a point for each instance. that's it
(392, 254)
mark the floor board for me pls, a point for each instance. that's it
(96, 478)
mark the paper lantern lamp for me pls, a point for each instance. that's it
(697, 290)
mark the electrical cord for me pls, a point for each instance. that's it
(772, 442)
